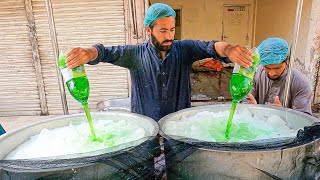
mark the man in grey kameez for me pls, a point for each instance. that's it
(270, 79)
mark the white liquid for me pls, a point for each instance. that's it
(76, 138)
(210, 126)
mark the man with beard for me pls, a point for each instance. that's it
(160, 68)
(270, 79)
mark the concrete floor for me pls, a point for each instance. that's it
(10, 123)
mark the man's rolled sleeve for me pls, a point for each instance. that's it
(101, 54)
(205, 49)
(211, 50)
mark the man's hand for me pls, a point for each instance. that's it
(276, 102)
(237, 54)
(240, 55)
(252, 99)
(78, 56)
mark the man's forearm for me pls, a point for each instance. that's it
(78, 56)
(237, 54)
(93, 53)
(222, 48)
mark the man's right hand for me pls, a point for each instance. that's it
(78, 56)
(252, 99)
(237, 54)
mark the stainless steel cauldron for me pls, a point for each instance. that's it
(133, 162)
(187, 160)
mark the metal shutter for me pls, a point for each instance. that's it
(18, 83)
(81, 23)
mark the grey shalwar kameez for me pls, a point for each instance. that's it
(265, 89)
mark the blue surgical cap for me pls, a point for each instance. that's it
(273, 51)
(157, 11)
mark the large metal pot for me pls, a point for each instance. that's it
(270, 159)
(134, 162)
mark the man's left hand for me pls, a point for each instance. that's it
(276, 102)
(252, 99)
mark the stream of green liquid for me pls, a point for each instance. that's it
(233, 108)
(106, 138)
(79, 89)
(89, 118)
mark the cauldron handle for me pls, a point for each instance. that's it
(2, 131)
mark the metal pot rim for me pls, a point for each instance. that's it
(256, 106)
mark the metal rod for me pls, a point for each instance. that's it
(292, 50)
(56, 55)
(315, 80)
(134, 17)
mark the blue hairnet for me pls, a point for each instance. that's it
(273, 51)
(157, 11)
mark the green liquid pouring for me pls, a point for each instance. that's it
(79, 88)
(233, 108)
(240, 85)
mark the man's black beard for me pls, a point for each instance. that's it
(158, 45)
(274, 79)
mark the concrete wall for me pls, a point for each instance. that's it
(201, 19)
(313, 49)
(301, 62)
(277, 18)
(308, 51)
(274, 19)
